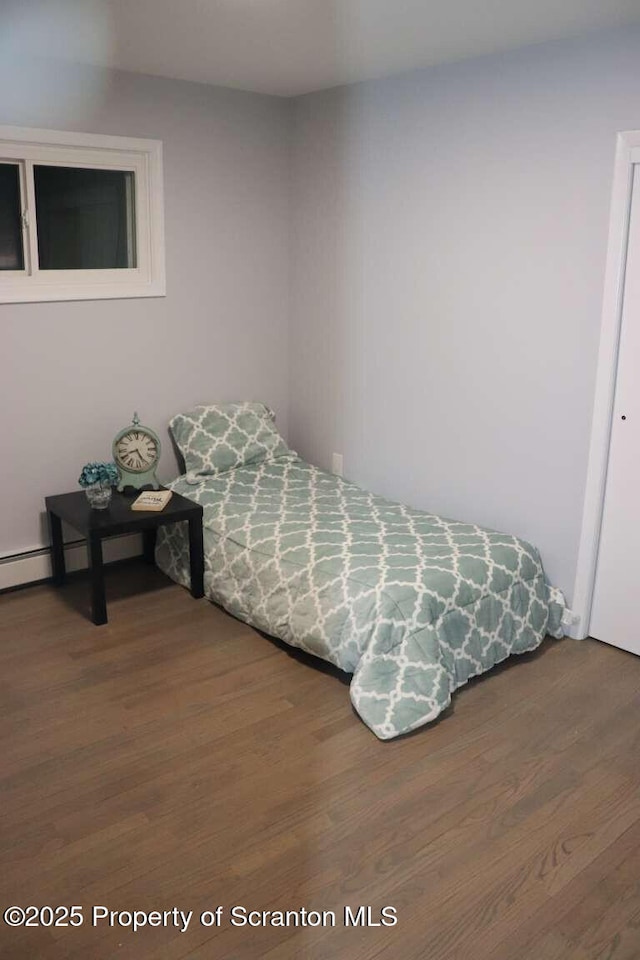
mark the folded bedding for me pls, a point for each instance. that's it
(411, 604)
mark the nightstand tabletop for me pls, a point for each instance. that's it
(118, 517)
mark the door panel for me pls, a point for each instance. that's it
(615, 615)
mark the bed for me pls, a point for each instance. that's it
(412, 605)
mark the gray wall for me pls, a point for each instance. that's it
(450, 240)
(444, 289)
(71, 374)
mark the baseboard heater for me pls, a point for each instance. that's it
(34, 566)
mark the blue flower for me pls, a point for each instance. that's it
(103, 473)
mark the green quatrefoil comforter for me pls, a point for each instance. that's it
(411, 604)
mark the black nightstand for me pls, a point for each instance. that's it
(119, 518)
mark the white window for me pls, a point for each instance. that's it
(81, 216)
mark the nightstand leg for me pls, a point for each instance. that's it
(57, 550)
(149, 545)
(196, 556)
(98, 602)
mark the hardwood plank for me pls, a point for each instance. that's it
(175, 757)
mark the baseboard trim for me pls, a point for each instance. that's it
(572, 626)
(35, 565)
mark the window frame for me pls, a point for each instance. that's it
(28, 147)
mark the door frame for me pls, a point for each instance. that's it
(627, 156)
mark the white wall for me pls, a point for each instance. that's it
(450, 244)
(71, 374)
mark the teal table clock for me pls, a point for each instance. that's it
(136, 451)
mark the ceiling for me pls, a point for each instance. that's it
(291, 47)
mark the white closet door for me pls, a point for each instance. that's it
(615, 615)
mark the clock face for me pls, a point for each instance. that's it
(136, 451)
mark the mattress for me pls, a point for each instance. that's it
(411, 604)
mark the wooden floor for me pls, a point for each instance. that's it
(177, 759)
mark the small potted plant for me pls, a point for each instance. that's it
(98, 480)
